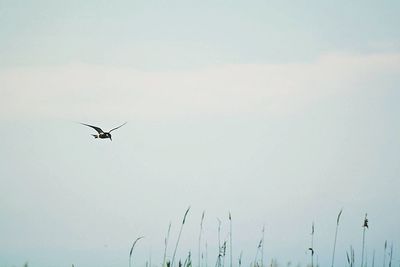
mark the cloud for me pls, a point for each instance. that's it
(95, 91)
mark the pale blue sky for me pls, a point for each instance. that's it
(165, 34)
(280, 112)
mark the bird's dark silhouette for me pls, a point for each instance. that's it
(102, 134)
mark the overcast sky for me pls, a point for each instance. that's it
(279, 112)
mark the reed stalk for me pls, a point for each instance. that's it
(166, 245)
(206, 254)
(262, 246)
(365, 225)
(218, 263)
(336, 232)
(131, 251)
(312, 245)
(179, 236)
(350, 258)
(230, 238)
(391, 255)
(384, 253)
(201, 230)
(258, 250)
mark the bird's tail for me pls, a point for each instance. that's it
(95, 135)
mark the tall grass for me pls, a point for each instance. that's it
(179, 236)
(350, 258)
(262, 246)
(312, 245)
(223, 252)
(365, 225)
(227, 240)
(218, 263)
(166, 244)
(201, 230)
(131, 251)
(188, 260)
(391, 255)
(336, 232)
(206, 253)
(384, 253)
(230, 238)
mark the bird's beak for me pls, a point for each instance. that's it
(110, 138)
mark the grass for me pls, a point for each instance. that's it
(365, 226)
(311, 249)
(384, 253)
(336, 232)
(131, 250)
(201, 231)
(230, 239)
(349, 256)
(179, 236)
(166, 244)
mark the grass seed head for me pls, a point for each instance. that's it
(365, 221)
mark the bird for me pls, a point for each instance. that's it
(102, 134)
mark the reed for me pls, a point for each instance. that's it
(206, 253)
(365, 226)
(240, 258)
(166, 245)
(230, 238)
(384, 253)
(218, 263)
(131, 251)
(259, 248)
(336, 232)
(350, 258)
(201, 230)
(225, 242)
(179, 236)
(223, 252)
(188, 261)
(262, 246)
(312, 245)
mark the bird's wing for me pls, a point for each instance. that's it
(117, 127)
(94, 127)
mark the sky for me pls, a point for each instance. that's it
(279, 112)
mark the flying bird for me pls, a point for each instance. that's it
(102, 134)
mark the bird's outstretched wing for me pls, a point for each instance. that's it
(117, 127)
(99, 130)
